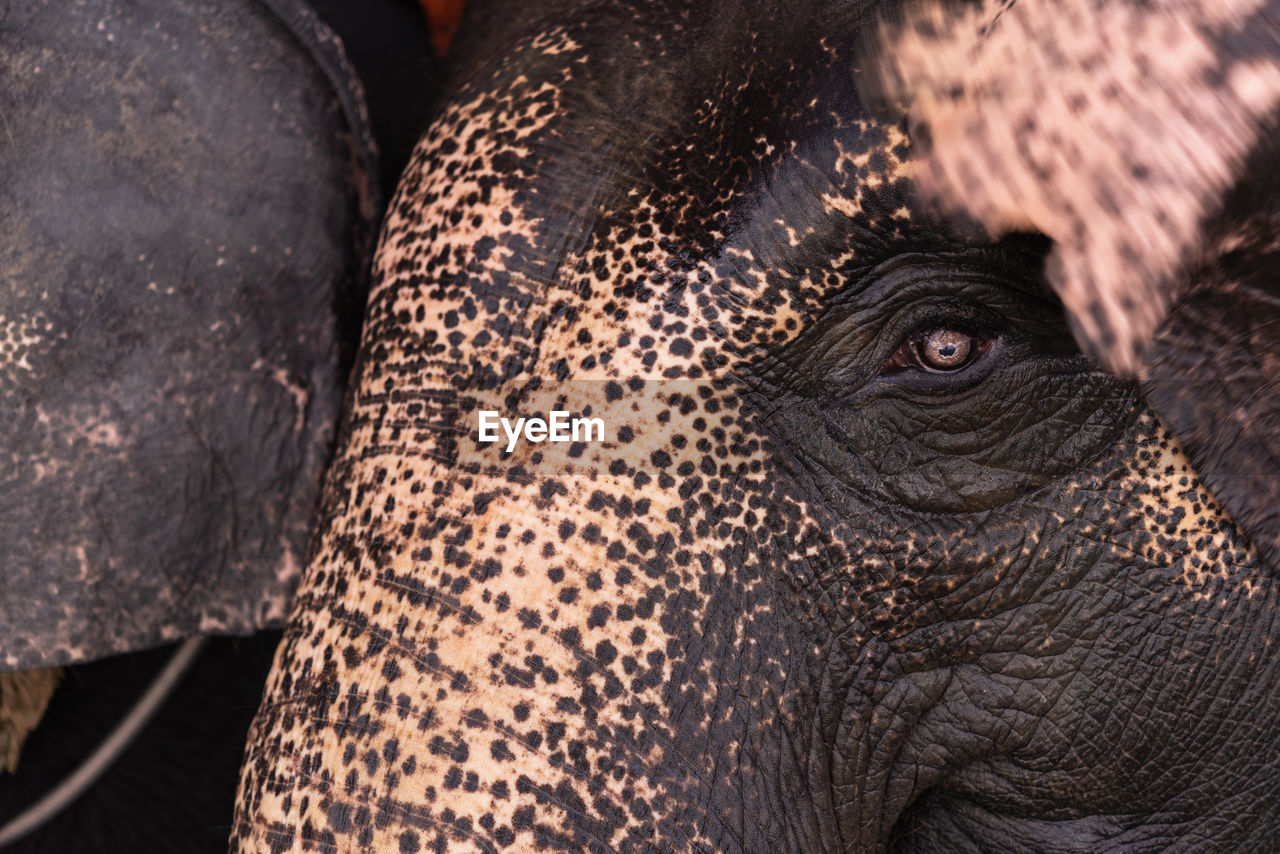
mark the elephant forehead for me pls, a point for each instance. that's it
(529, 218)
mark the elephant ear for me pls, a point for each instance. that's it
(1142, 138)
(185, 201)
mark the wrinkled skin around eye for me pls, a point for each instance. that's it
(1022, 408)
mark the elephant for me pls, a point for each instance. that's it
(172, 363)
(188, 202)
(871, 557)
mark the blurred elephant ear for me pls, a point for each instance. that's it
(1141, 136)
(185, 208)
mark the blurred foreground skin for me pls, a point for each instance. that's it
(187, 204)
(177, 241)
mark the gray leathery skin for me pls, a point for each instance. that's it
(183, 200)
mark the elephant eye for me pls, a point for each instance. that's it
(939, 351)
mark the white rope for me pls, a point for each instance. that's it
(75, 785)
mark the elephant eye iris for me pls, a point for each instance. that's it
(940, 351)
(945, 349)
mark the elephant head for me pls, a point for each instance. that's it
(870, 557)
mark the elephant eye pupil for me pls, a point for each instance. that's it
(948, 349)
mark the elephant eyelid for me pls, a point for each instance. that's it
(904, 369)
(898, 348)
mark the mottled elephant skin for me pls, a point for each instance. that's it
(815, 592)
